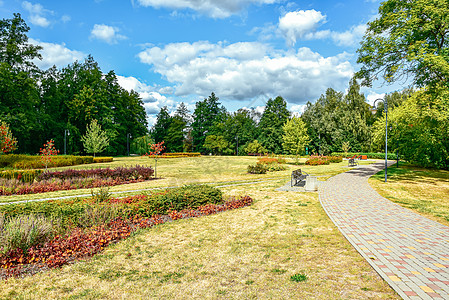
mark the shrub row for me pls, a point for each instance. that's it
(20, 175)
(391, 156)
(177, 155)
(71, 212)
(22, 161)
(84, 243)
(123, 173)
(103, 159)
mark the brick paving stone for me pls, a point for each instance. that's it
(409, 251)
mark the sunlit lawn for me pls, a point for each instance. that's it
(248, 253)
(423, 190)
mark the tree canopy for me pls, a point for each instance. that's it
(409, 39)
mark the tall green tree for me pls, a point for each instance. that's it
(409, 39)
(15, 50)
(295, 136)
(160, 128)
(95, 140)
(274, 116)
(419, 129)
(207, 114)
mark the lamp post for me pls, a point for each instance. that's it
(66, 133)
(386, 129)
(128, 136)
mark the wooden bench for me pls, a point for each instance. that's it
(298, 176)
(352, 163)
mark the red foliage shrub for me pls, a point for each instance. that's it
(85, 243)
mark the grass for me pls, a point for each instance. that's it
(425, 191)
(249, 253)
(181, 171)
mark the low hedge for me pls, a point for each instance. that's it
(103, 159)
(22, 161)
(391, 156)
(177, 155)
(72, 212)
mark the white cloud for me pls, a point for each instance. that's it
(244, 71)
(350, 37)
(297, 110)
(211, 8)
(153, 100)
(106, 33)
(37, 14)
(300, 24)
(56, 54)
(65, 18)
(372, 96)
(304, 25)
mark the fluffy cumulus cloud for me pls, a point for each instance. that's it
(243, 71)
(300, 24)
(56, 54)
(108, 34)
(37, 14)
(304, 24)
(152, 99)
(211, 8)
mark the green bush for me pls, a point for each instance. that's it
(76, 212)
(189, 196)
(335, 159)
(259, 168)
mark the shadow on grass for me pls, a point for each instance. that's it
(413, 174)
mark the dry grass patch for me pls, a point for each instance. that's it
(248, 253)
(422, 190)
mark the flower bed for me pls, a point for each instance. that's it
(75, 179)
(176, 155)
(76, 242)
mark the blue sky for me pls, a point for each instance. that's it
(172, 51)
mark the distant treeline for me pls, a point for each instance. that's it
(56, 104)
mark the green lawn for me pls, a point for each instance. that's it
(249, 253)
(425, 191)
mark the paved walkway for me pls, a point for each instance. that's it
(409, 251)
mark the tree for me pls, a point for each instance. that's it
(156, 149)
(14, 48)
(7, 142)
(95, 140)
(48, 152)
(255, 148)
(295, 136)
(419, 129)
(206, 115)
(160, 128)
(408, 39)
(273, 118)
(216, 144)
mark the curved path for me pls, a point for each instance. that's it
(408, 250)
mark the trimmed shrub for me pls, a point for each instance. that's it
(22, 161)
(258, 168)
(103, 159)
